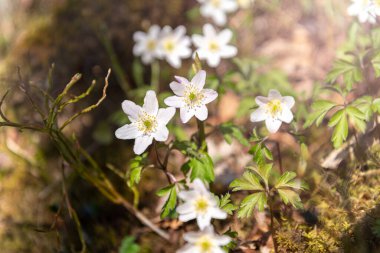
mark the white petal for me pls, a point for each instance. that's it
(228, 51)
(225, 36)
(199, 186)
(198, 40)
(217, 213)
(187, 195)
(138, 49)
(201, 113)
(186, 217)
(162, 133)
(174, 101)
(199, 79)
(142, 143)
(209, 30)
(272, 124)
(186, 114)
(260, 100)
(182, 80)
(164, 115)
(179, 32)
(288, 101)
(131, 109)
(217, 249)
(139, 36)
(213, 60)
(147, 58)
(188, 248)
(274, 94)
(230, 6)
(258, 115)
(127, 132)
(219, 17)
(209, 95)
(222, 240)
(150, 103)
(203, 221)
(154, 31)
(286, 115)
(177, 88)
(192, 237)
(174, 61)
(187, 207)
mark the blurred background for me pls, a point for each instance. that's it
(289, 45)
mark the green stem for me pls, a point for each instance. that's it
(155, 78)
(201, 135)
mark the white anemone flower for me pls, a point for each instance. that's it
(213, 46)
(147, 122)
(190, 97)
(199, 204)
(365, 10)
(217, 10)
(274, 109)
(205, 241)
(146, 44)
(174, 45)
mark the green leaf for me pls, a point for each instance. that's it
(320, 108)
(249, 182)
(289, 196)
(128, 245)
(260, 153)
(351, 73)
(376, 64)
(339, 121)
(357, 117)
(171, 202)
(201, 167)
(230, 131)
(226, 204)
(284, 179)
(256, 200)
(364, 104)
(263, 171)
(136, 166)
(376, 105)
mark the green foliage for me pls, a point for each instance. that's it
(201, 167)
(260, 153)
(320, 108)
(257, 179)
(226, 204)
(136, 166)
(230, 131)
(128, 245)
(351, 73)
(169, 206)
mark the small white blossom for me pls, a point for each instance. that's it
(365, 10)
(190, 97)
(274, 109)
(146, 44)
(147, 122)
(199, 204)
(217, 9)
(205, 241)
(174, 45)
(213, 46)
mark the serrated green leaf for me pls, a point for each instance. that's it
(263, 171)
(256, 200)
(230, 131)
(136, 166)
(171, 202)
(249, 182)
(341, 128)
(226, 205)
(357, 117)
(289, 196)
(285, 179)
(336, 117)
(376, 64)
(202, 167)
(320, 107)
(364, 104)
(351, 73)
(376, 105)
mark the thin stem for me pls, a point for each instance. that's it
(279, 157)
(155, 77)
(201, 135)
(272, 228)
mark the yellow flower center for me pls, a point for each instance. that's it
(146, 123)
(205, 244)
(193, 97)
(151, 45)
(213, 46)
(169, 46)
(274, 107)
(215, 3)
(201, 205)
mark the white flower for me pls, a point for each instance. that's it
(199, 204)
(217, 9)
(146, 44)
(205, 241)
(244, 4)
(190, 97)
(213, 46)
(147, 122)
(274, 109)
(174, 45)
(365, 10)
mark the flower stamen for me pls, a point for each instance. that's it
(201, 205)
(147, 123)
(274, 107)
